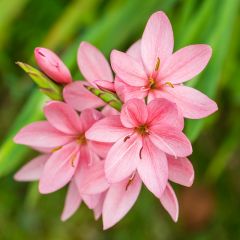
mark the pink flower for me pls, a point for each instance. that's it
(63, 133)
(121, 196)
(97, 71)
(151, 69)
(141, 136)
(52, 65)
(33, 170)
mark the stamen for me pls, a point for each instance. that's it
(81, 140)
(169, 84)
(73, 159)
(142, 130)
(130, 180)
(152, 82)
(157, 66)
(56, 149)
(126, 138)
(140, 153)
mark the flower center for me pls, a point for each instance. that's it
(81, 139)
(142, 130)
(152, 83)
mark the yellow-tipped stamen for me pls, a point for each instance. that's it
(169, 84)
(140, 153)
(73, 159)
(56, 149)
(81, 139)
(157, 66)
(130, 180)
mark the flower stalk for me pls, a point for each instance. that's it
(108, 97)
(46, 86)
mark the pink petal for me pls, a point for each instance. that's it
(157, 41)
(100, 148)
(127, 92)
(153, 168)
(99, 207)
(135, 51)
(41, 134)
(170, 140)
(79, 98)
(32, 170)
(88, 117)
(59, 168)
(185, 64)
(95, 180)
(180, 171)
(109, 129)
(61, 116)
(170, 202)
(105, 85)
(192, 103)
(162, 111)
(128, 69)
(119, 200)
(108, 111)
(92, 63)
(72, 202)
(91, 200)
(134, 113)
(52, 65)
(123, 158)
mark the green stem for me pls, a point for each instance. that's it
(107, 97)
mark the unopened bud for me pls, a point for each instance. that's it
(52, 65)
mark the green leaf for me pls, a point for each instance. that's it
(210, 78)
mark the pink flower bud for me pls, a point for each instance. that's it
(52, 65)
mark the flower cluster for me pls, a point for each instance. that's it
(112, 134)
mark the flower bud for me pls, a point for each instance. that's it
(52, 66)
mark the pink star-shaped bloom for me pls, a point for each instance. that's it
(33, 170)
(63, 133)
(121, 196)
(142, 135)
(151, 69)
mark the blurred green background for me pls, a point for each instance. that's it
(208, 210)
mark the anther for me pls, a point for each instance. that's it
(73, 159)
(56, 149)
(169, 84)
(126, 138)
(140, 153)
(157, 64)
(130, 180)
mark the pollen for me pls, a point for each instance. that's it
(73, 159)
(152, 83)
(130, 180)
(81, 139)
(142, 130)
(56, 149)
(157, 66)
(169, 84)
